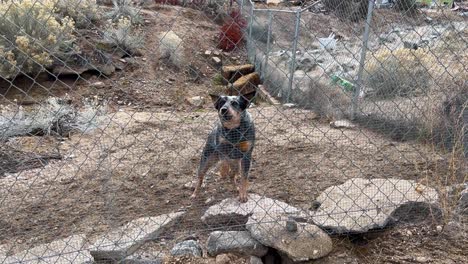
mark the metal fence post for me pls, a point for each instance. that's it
(267, 54)
(362, 60)
(293, 61)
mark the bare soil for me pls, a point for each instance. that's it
(140, 162)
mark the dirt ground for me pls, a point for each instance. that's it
(140, 162)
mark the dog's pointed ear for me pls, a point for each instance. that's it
(216, 100)
(246, 99)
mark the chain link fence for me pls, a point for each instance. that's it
(110, 112)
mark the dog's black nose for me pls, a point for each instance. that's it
(223, 110)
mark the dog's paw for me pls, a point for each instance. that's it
(243, 198)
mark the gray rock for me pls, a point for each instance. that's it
(309, 242)
(124, 241)
(359, 205)
(240, 242)
(255, 260)
(291, 225)
(231, 211)
(187, 248)
(59, 251)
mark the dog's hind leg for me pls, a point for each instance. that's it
(207, 161)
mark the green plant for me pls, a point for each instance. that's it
(402, 72)
(30, 37)
(85, 13)
(123, 36)
(125, 9)
(218, 79)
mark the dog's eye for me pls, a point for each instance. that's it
(235, 103)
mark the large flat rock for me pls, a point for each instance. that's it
(69, 250)
(124, 241)
(231, 212)
(303, 242)
(239, 242)
(359, 205)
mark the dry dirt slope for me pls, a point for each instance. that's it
(137, 165)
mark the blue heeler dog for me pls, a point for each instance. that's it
(231, 142)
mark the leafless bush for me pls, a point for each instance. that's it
(54, 117)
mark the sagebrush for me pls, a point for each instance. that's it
(124, 36)
(31, 37)
(125, 9)
(85, 13)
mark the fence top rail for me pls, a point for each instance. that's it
(305, 8)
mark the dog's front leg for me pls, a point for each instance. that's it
(244, 181)
(207, 161)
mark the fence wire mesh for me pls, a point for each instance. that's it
(332, 130)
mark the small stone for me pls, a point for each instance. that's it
(196, 101)
(216, 60)
(223, 259)
(217, 53)
(422, 259)
(342, 124)
(187, 248)
(143, 59)
(255, 260)
(289, 105)
(208, 52)
(409, 233)
(97, 85)
(209, 200)
(291, 225)
(439, 228)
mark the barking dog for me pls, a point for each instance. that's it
(231, 142)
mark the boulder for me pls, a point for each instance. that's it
(359, 205)
(231, 212)
(124, 241)
(240, 242)
(255, 260)
(187, 248)
(306, 243)
(59, 251)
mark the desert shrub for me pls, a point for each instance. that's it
(353, 10)
(55, 116)
(85, 13)
(31, 37)
(171, 49)
(123, 36)
(125, 9)
(402, 72)
(405, 5)
(232, 31)
(329, 101)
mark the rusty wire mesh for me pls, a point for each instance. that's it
(360, 119)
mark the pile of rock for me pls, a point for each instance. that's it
(267, 229)
(274, 228)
